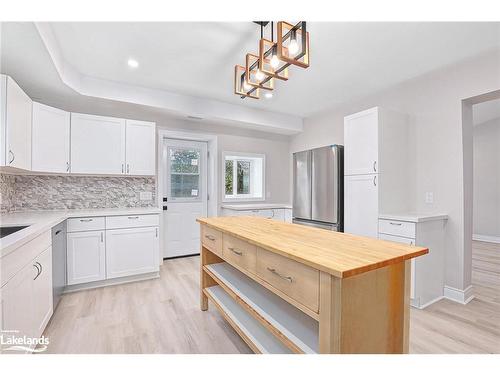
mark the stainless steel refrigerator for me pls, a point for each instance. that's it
(318, 187)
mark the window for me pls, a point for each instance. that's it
(184, 173)
(243, 176)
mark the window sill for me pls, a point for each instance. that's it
(233, 200)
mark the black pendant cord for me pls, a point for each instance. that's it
(272, 31)
(261, 31)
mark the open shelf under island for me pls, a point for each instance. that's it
(287, 288)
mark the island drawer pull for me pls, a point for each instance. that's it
(235, 251)
(86, 220)
(211, 238)
(398, 224)
(287, 278)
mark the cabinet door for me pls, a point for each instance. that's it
(361, 143)
(86, 257)
(42, 291)
(97, 144)
(140, 147)
(50, 148)
(131, 251)
(18, 126)
(18, 303)
(361, 205)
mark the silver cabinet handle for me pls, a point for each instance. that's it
(86, 220)
(235, 251)
(38, 270)
(133, 217)
(374, 180)
(156, 232)
(13, 157)
(67, 166)
(411, 243)
(398, 224)
(57, 232)
(375, 166)
(128, 168)
(211, 238)
(287, 278)
(123, 168)
(102, 237)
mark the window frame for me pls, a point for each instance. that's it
(245, 156)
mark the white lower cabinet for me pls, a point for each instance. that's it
(27, 298)
(86, 259)
(131, 251)
(361, 205)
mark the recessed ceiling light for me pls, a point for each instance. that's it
(268, 95)
(133, 63)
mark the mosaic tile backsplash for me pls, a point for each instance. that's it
(25, 193)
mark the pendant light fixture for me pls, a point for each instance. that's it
(273, 60)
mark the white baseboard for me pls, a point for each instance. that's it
(484, 238)
(458, 295)
(117, 281)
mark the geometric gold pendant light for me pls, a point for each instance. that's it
(273, 59)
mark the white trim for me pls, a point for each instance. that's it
(246, 197)
(458, 295)
(109, 282)
(421, 307)
(484, 238)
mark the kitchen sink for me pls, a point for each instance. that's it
(5, 231)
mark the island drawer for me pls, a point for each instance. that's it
(397, 228)
(82, 224)
(239, 253)
(296, 280)
(211, 239)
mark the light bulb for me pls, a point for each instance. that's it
(275, 61)
(259, 75)
(293, 47)
(268, 95)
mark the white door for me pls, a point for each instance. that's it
(86, 257)
(97, 144)
(18, 304)
(51, 132)
(184, 195)
(18, 130)
(361, 143)
(140, 147)
(42, 291)
(131, 251)
(361, 205)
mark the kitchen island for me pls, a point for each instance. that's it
(287, 288)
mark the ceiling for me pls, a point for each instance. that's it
(348, 60)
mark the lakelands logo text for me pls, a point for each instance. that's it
(10, 341)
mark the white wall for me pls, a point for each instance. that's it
(434, 103)
(274, 146)
(487, 178)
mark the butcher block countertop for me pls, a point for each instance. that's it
(339, 254)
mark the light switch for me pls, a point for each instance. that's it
(145, 195)
(429, 197)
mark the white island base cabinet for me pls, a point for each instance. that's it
(131, 251)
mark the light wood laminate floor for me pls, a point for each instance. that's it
(163, 316)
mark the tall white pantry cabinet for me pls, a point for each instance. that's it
(378, 195)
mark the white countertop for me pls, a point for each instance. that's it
(413, 217)
(41, 221)
(255, 206)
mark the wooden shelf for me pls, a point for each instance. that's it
(254, 334)
(294, 328)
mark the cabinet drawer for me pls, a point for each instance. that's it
(211, 239)
(296, 280)
(132, 221)
(397, 228)
(239, 253)
(85, 223)
(13, 262)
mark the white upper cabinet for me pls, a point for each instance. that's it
(140, 147)
(15, 108)
(361, 143)
(51, 139)
(97, 144)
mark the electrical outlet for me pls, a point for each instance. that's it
(145, 196)
(429, 197)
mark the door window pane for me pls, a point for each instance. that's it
(184, 173)
(184, 186)
(243, 176)
(184, 161)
